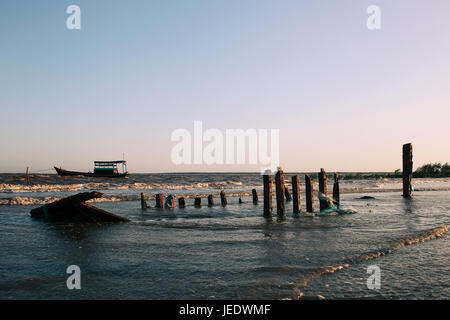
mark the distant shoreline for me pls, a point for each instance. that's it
(430, 170)
(342, 175)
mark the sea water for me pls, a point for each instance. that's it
(225, 253)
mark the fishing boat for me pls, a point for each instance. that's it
(104, 169)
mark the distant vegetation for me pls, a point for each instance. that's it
(365, 175)
(434, 170)
(431, 170)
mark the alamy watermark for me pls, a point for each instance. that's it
(73, 22)
(215, 147)
(74, 280)
(374, 280)
(374, 20)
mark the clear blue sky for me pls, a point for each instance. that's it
(344, 98)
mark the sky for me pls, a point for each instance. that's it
(344, 97)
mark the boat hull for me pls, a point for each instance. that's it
(64, 173)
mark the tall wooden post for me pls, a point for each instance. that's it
(198, 202)
(255, 196)
(407, 169)
(336, 195)
(28, 175)
(159, 201)
(296, 194)
(181, 202)
(143, 202)
(309, 187)
(210, 200)
(223, 198)
(323, 188)
(279, 190)
(267, 181)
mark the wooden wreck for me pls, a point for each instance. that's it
(74, 208)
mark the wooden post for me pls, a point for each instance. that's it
(159, 201)
(279, 190)
(287, 193)
(198, 202)
(407, 169)
(296, 194)
(336, 195)
(170, 202)
(323, 188)
(28, 175)
(210, 200)
(181, 202)
(223, 198)
(143, 202)
(255, 196)
(309, 187)
(240, 200)
(267, 181)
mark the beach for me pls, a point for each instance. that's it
(230, 252)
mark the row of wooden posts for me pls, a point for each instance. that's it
(159, 198)
(282, 194)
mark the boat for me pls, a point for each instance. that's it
(103, 169)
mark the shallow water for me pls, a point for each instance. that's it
(232, 252)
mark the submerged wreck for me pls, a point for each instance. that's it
(74, 208)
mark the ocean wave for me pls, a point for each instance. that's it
(193, 193)
(19, 188)
(23, 201)
(27, 201)
(427, 235)
(23, 188)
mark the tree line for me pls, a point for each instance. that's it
(430, 170)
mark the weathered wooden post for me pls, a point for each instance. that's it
(309, 187)
(336, 195)
(143, 202)
(28, 175)
(287, 193)
(323, 188)
(279, 190)
(223, 198)
(267, 182)
(407, 169)
(296, 194)
(170, 202)
(181, 202)
(159, 201)
(198, 202)
(255, 196)
(210, 200)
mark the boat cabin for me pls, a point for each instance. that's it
(109, 167)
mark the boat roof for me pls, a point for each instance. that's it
(109, 162)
